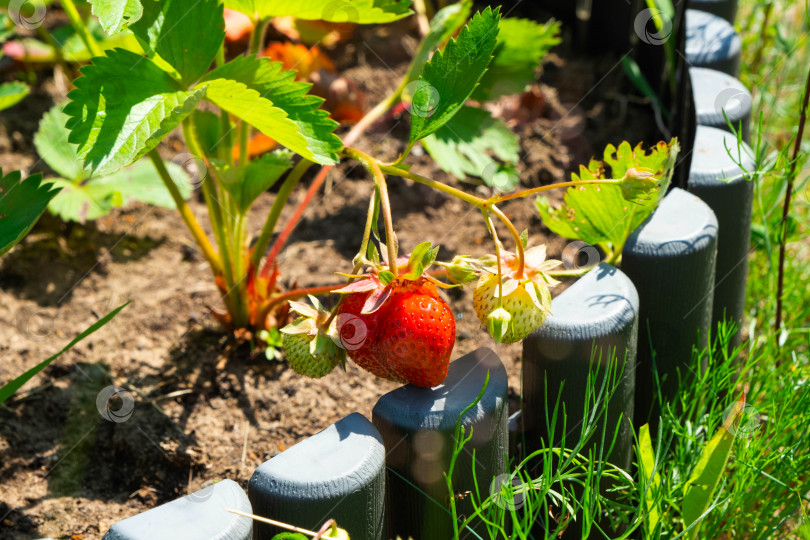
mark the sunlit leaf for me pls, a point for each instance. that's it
(185, 34)
(521, 46)
(443, 25)
(51, 142)
(269, 98)
(91, 199)
(651, 482)
(338, 11)
(710, 468)
(12, 93)
(21, 204)
(116, 15)
(449, 78)
(468, 144)
(122, 107)
(599, 214)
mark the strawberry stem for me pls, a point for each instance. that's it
(265, 309)
(526, 192)
(187, 215)
(478, 202)
(373, 167)
(515, 236)
(358, 266)
(498, 246)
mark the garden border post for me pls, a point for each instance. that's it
(201, 515)
(338, 473)
(418, 425)
(671, 260)
(593, 320)
(719, 181)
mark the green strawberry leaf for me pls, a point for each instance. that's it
(96, 197)
(288, 113)
(116, 15)
(207, 126)
(21, 204)
(599, 214)
(443, 25)
(337, 11)
(420, 259)
(466, 144)
(522, 44)
(121, 108)
(83, 202)
(12, 93)
(449, 78)
(185, 34)
(51, 142)
(259, 176)
(141, 182)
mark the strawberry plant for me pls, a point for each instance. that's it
(125, 103)
(83, 196)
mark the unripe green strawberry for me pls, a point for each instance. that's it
(310, 347)
(298, 348)
(528, 309)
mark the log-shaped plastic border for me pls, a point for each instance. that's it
(712, 42)
(338, 473)
(671, 260)
(199, 516)
(418, 424)
(720, 182)
(592, 322)
(727, 9)
(716, 93)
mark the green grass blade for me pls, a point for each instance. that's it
(9, 388)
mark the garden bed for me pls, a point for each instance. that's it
(206, 409)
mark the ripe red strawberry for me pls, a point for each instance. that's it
(402, 331)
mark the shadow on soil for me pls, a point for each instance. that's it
(72, 252)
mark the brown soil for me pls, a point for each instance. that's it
(68, 473)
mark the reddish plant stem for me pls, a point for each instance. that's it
(294, 294)
(278, 245)
(780, 283)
